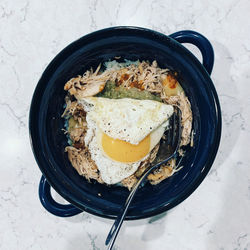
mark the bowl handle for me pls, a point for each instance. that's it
(51, 205)
(205, 47)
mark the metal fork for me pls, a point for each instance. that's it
(168, 149)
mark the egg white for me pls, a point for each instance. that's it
(138, 118)
(127, 119)
(113, 171)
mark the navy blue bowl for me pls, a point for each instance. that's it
(48, 140)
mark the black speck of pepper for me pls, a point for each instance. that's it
(124, 129)
(109, 123)
(150, 127)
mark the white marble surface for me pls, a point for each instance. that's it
(216, 216)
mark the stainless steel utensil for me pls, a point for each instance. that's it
(168, 149)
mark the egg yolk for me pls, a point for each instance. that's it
(123, 151)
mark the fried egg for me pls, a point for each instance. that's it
(122, 132)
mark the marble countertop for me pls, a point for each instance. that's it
(216, 216)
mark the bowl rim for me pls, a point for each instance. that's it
(193, 185)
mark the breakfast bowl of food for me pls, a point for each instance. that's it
(101, 112)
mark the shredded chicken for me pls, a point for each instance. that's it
(162, 172)
(81, 161)
(142, 76)
(91, 83)
(186, 115)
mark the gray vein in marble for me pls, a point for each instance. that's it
(137, 6)
(14, 115)
(192, 19)
(21, 171)
(55, 45)
(245, 48)
(5, 13)
(163, 28)
(228, 96)
(228, 120)
(6, 51)
(210, 232)
(18, 81)
(229, 11)
(240, 117)
(103, 6)
(8, 195)
(241, 237)
(202, 224)
(240, 241)
(33, 244)
(118, 10)
(86, 218)
(25, 11)
(213, 173)
(92, 241)
(92, 10)
(248, 189)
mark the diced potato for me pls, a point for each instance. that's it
(171, 86)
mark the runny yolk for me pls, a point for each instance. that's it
(123, 151)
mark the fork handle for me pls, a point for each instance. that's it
(120, 218)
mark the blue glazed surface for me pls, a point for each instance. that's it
(206, 49)
(51, 205)
(48, 140)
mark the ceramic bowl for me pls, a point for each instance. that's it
(48, 140)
